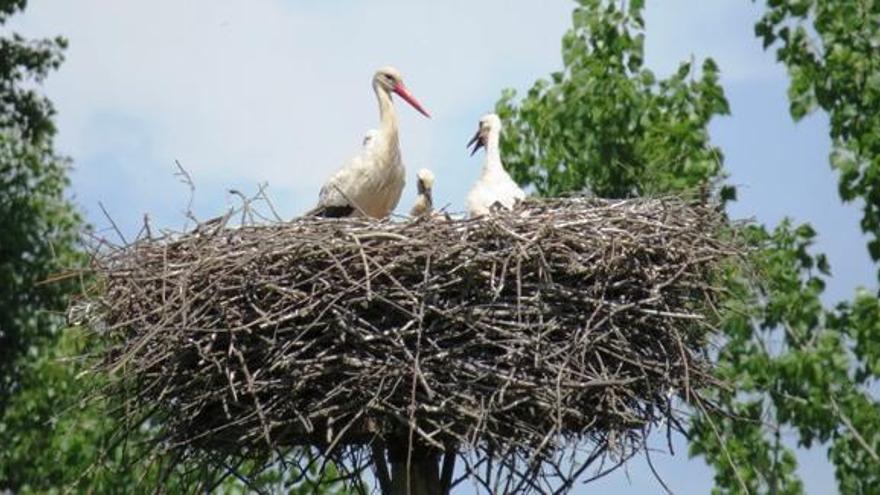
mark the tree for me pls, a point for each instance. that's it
(57, 441)
(53, 438)
(39, 224)
(838, 71)
(605, 124)
(40, 229)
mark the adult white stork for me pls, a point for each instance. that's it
(494, 188)
(424, 204)
(371, 183)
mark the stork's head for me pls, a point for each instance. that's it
(489, 124)
(390, 80)
(425, 181)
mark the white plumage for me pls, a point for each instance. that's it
(494, 188)
(370, 137)
(371, 183)
(424, 204)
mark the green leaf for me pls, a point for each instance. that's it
(728, 193)
(621, 132)
(874, 249)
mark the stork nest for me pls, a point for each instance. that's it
(567, 323)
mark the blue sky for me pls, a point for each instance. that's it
(246, 92)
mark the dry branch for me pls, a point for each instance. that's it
(568, 324)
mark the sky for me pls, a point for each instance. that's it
(278, 91)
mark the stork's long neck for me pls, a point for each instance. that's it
(493, 153)
(387, 116)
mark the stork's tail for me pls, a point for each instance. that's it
(330, 211)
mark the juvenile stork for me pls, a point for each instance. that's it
(494, 188)
(424, 204)
(371, 183)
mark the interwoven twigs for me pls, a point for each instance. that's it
(564, 322)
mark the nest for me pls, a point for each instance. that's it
(568, 324)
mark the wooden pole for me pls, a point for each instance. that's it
(416, 476)
(415, 472)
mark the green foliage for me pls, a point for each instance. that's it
(55, 440)
(38, 223)
(9, 7)
(837, 70)
(22, 63)
(40, 228)
(793, 366)
(604, 124)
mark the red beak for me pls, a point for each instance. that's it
(401, 90)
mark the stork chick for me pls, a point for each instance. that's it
(371, 183)
(424, 204)
(494, 188)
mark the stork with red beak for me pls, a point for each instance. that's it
(371, 183)
(494, 189)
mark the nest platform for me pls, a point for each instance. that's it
(567, 324)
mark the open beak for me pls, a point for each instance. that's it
(404, 93)
(476, 142)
